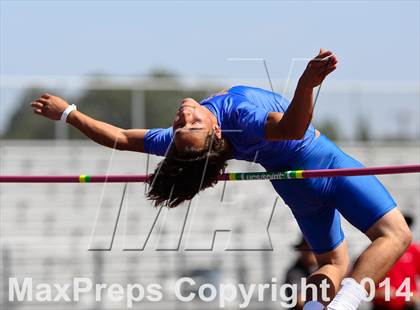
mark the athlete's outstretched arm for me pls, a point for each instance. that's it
(293, 124)
(130, 140)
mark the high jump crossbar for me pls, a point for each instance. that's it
(291, 174)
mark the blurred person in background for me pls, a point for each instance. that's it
(303, 267)
(407, 267)
(256, 125)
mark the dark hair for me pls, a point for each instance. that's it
(182, 174)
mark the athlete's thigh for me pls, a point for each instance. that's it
(391, 224)
(321, 229)
(362, 200)
(338, 256)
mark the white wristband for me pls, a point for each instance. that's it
(67, 111)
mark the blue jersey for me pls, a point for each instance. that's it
(241, 113)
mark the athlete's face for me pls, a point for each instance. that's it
(192, 125)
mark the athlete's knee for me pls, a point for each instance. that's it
(337, 259)
(402, 237)
(394, 229)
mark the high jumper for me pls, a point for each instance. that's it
(256, 125)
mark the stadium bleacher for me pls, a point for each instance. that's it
(46, 230)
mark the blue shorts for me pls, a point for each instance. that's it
(318, 203)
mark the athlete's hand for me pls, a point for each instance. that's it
(49, 106)
(318, 68)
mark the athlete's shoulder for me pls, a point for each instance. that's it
(219, 93)
(237, 90)
(253, 92)
(243, 89)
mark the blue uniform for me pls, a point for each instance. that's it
(316, 203)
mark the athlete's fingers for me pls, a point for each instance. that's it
(333, 64)
(330, 63)
(38, 111)
(42, 100)
(329, 70)
(332, 60)
(37, 105)
(321, 51)
(323, 55)
(317, 63)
